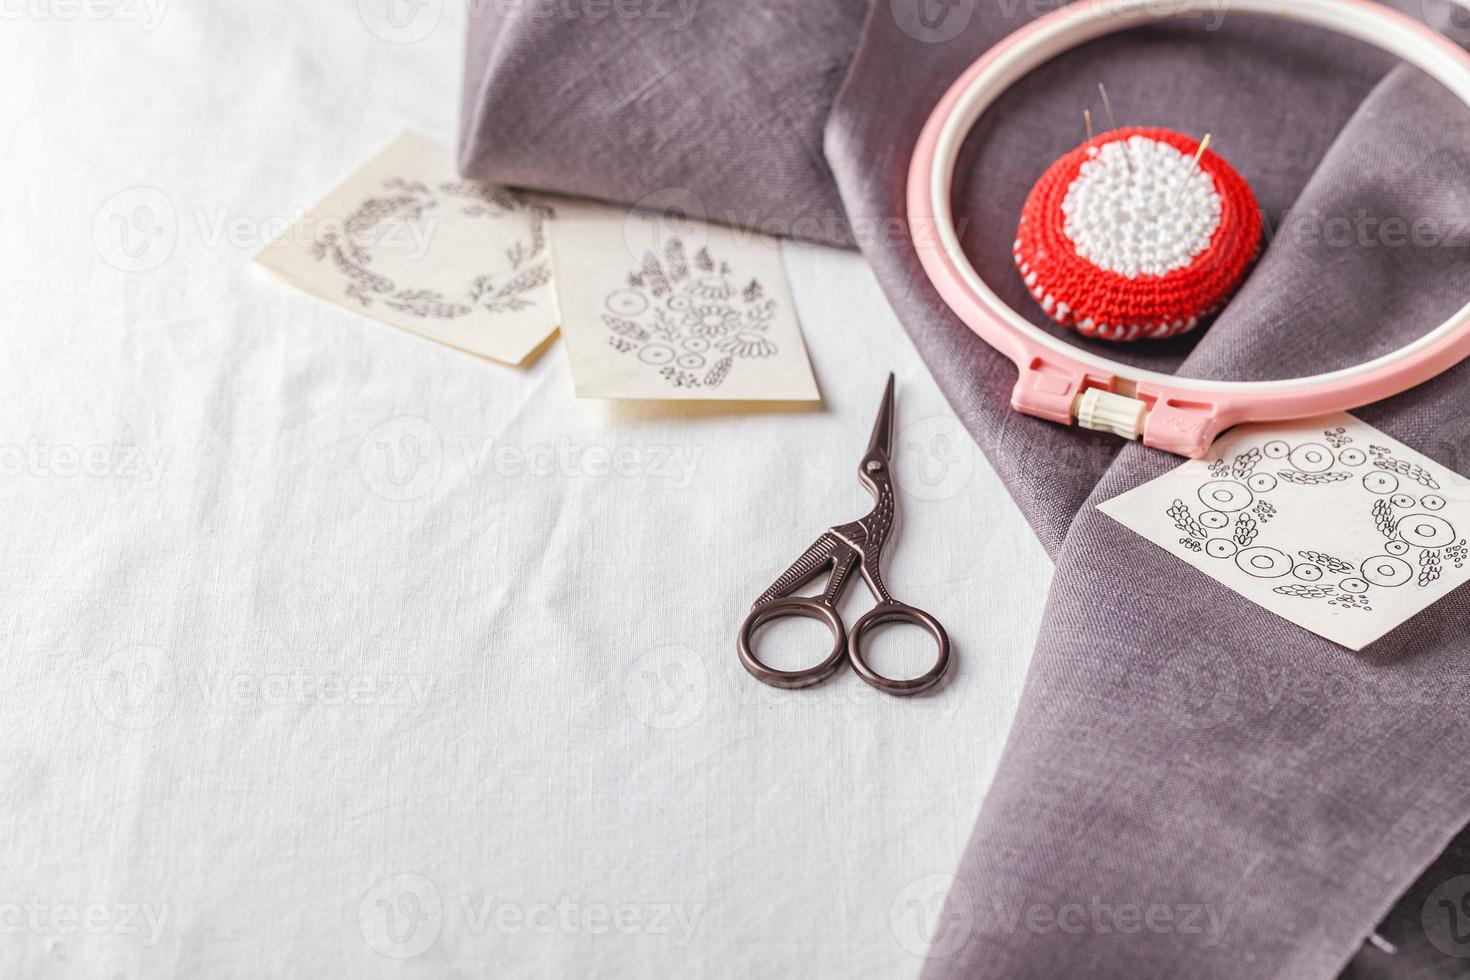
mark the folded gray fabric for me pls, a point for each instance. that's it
(1168, 751)
(1155, 761)
(670, 104)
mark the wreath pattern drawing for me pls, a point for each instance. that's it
(684, 316)
(351, 250)
(1400, 499)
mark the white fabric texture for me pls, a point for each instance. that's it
(334, 652)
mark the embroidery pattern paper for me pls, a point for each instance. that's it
(407, 241)
(1328, 523)
(671, 309)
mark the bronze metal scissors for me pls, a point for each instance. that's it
(841, 549)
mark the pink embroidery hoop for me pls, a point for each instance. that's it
(1065, 383)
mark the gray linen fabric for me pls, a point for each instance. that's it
(1177, 747)
(689, 95)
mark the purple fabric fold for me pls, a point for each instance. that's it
(683, 106)
(1176, 747)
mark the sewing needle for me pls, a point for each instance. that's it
(1204, 144)
(1113, 121)
(1193, 165)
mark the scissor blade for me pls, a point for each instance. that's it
(882, 440)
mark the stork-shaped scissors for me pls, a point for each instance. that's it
(841, 549)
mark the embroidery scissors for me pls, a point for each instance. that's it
(841, 549)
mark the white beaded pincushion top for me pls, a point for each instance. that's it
(1139, 233)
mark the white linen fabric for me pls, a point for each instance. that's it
(333, 652)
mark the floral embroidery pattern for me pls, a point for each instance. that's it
(351, 249)
(1418, 538)
(685, 316)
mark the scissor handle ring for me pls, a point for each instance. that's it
(894, 611)
(780, 609)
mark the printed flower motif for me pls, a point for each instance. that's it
(748, 345)
(711, 320)
(683, 315)
(711, 287)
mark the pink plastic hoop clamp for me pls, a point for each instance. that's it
(1065, 383)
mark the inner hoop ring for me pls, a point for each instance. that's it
(1061, 382)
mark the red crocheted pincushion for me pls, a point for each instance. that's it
(1126, 238)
